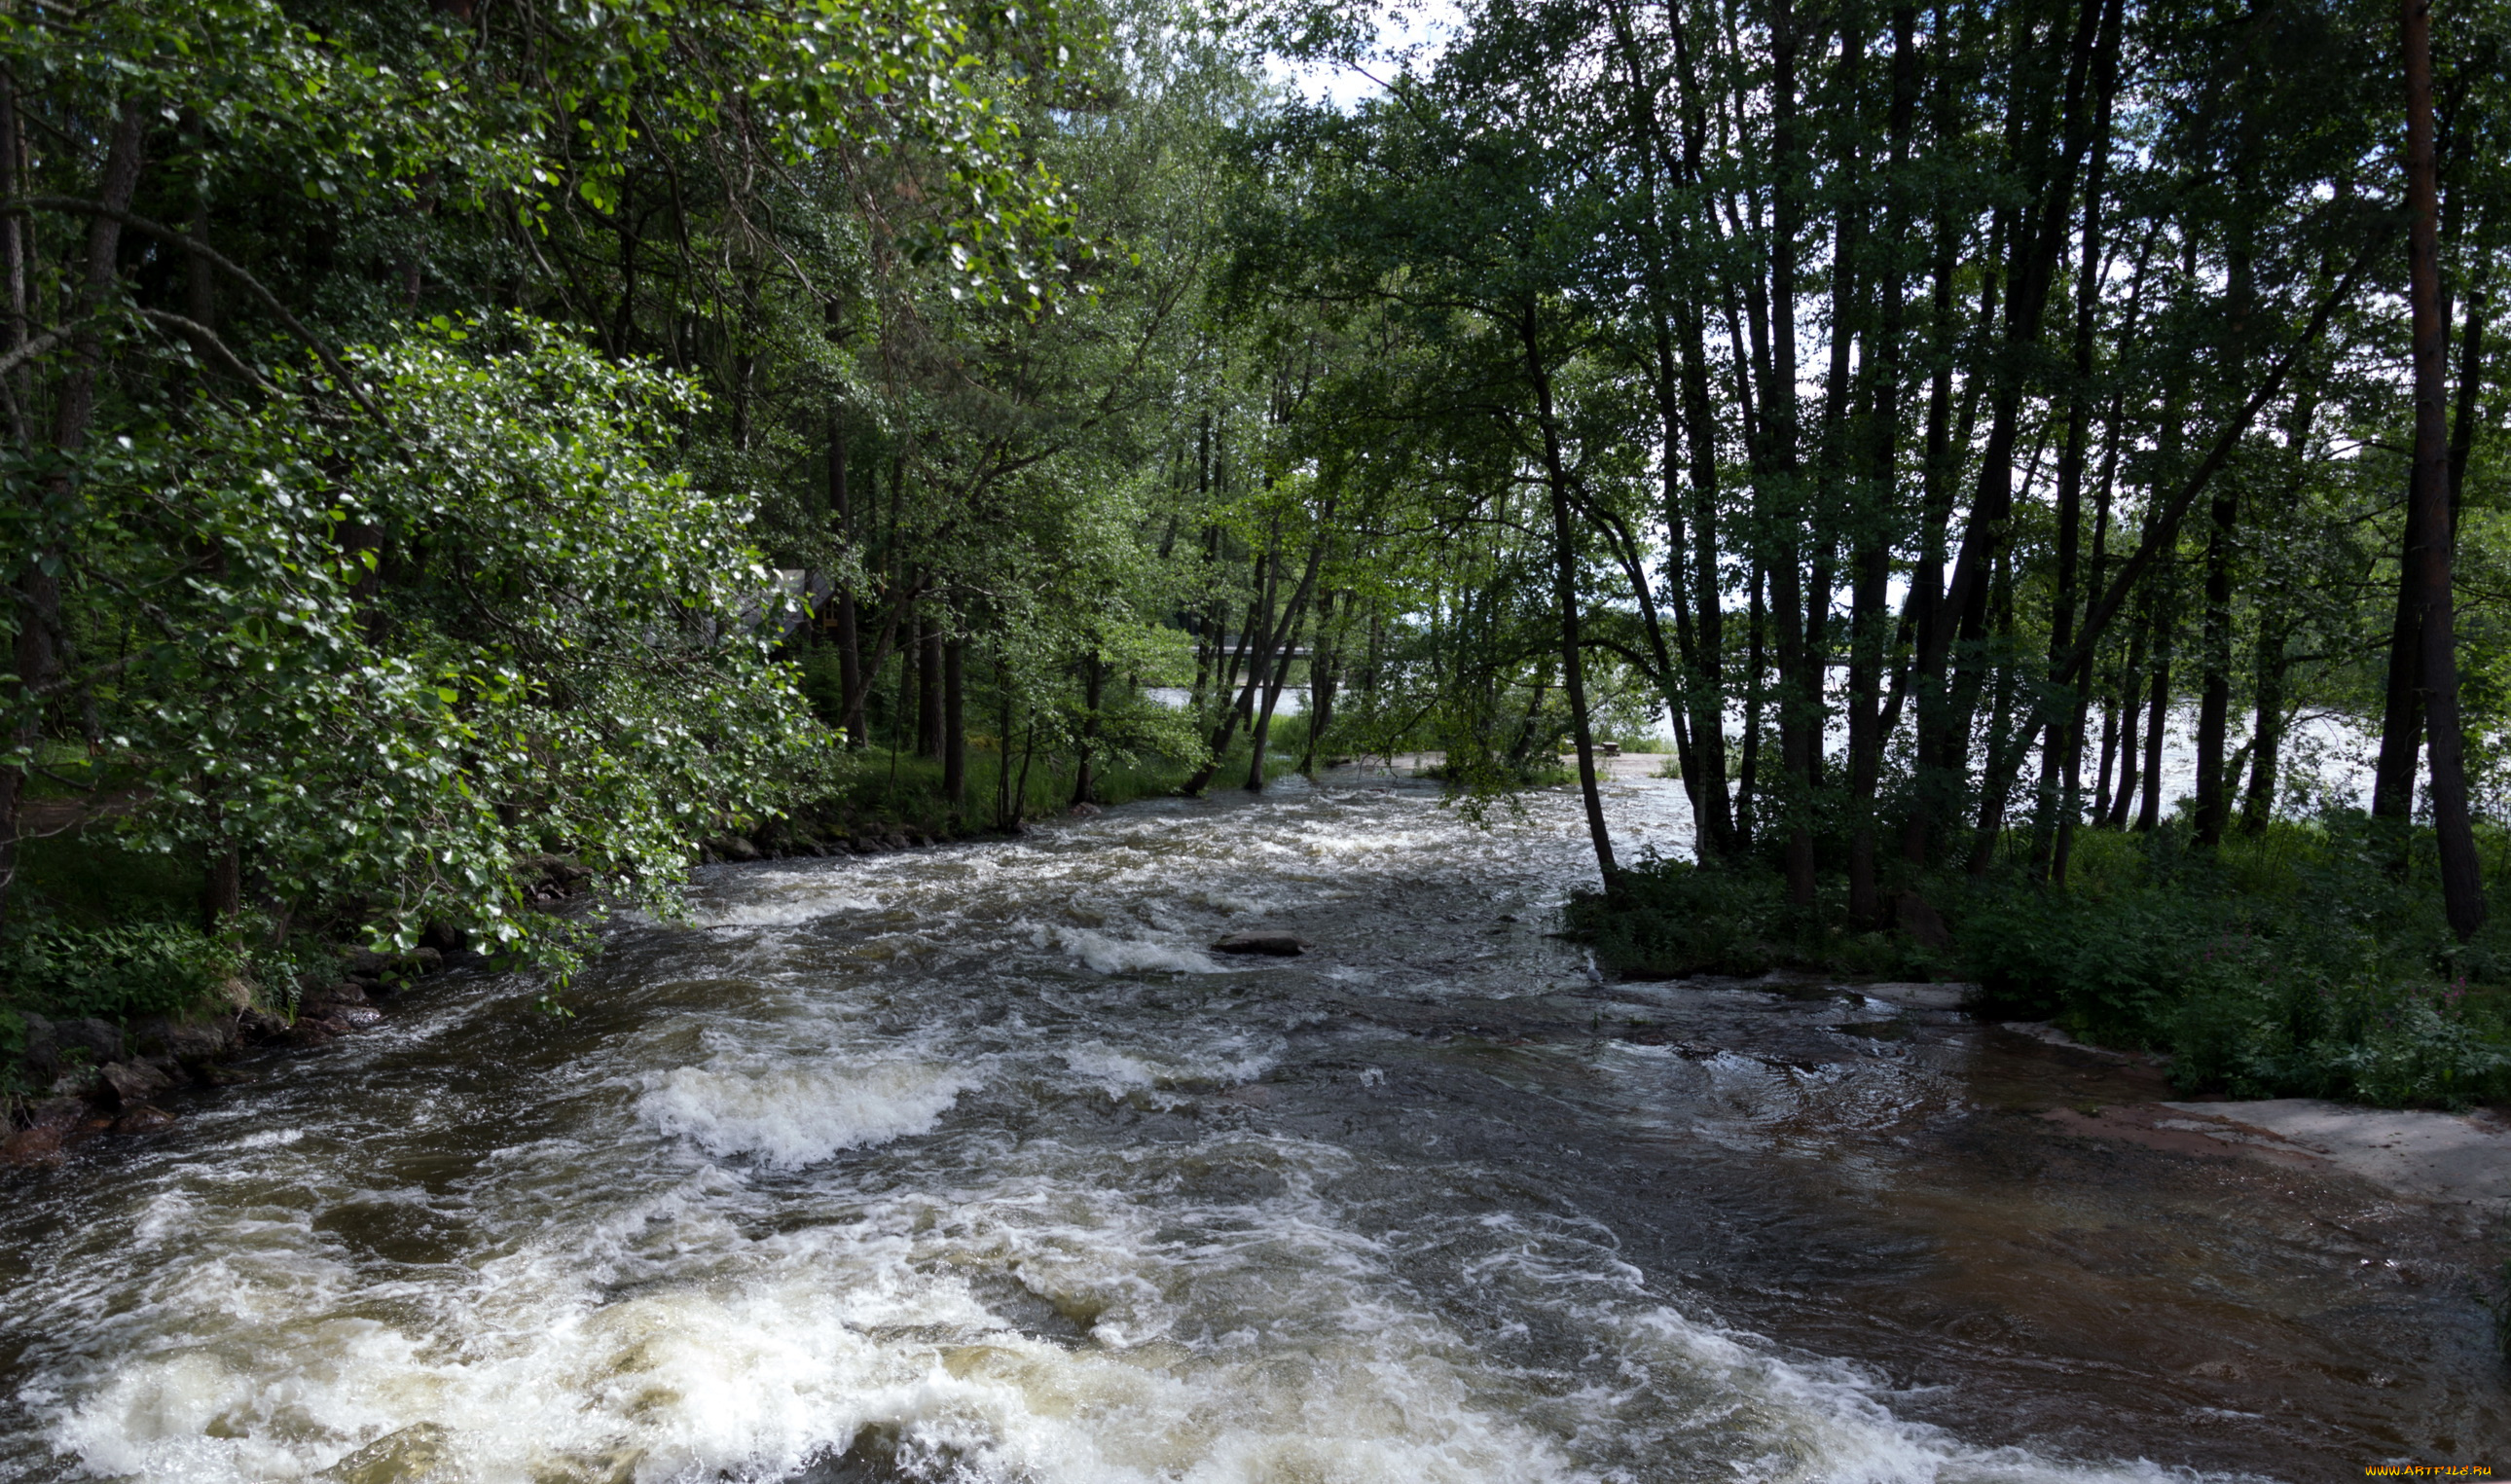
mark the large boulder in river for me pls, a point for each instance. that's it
(134, 1083)
(1273, 946)
(731, 847)
(164, 1039)
(100, 1039)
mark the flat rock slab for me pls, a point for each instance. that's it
(1277, 945)
(2049, 1035)
(2456, 1158)
(1916, 996)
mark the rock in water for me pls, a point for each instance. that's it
(731, 847)
(422, 1453)
(147, 1117)
(39, 1148)
(133, 1083)
(1277, 945)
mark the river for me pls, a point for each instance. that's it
(973, 1163)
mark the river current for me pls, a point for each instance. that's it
(974, 1164)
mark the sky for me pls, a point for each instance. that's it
(1420, 28)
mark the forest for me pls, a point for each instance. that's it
(454, 449)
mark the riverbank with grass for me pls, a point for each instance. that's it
(114, 991)
(2295, 962)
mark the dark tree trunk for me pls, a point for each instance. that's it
(2214, 702)
(222, 891)
(1717, 828)
(40, 636)
(2215, 698)
(2157, 708)
(1565, 592)
(1748, 776)
(2131, 708)
(2036, 241)
(850, 668)
(928, 686)
(2424, 581)
(1868, 618)
(1325, 656)
(2110, 758)
(1280, 677)
(1085, 773)
(2059, 776)
(954, 723)
(2266, 737)
(1266, 638)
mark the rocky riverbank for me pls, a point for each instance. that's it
(85, 1079)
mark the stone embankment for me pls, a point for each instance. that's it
(93, 1077)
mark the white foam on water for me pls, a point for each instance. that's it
(792, 1110)
(1015, 1300)
(1109, 954)
(1120, 1072)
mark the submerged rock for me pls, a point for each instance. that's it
(1278, 945)
(422, 1452)
(147, 1117)
(39, 1147)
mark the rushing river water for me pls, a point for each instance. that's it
(971, 1164)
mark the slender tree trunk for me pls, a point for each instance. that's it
(906, 727)
(2425, 578)
(1324, 655)
(1756, 664)
(1868, 619)
(928, 686)
(2036, 240)
(2110, 758)
(1094, 682)
(1003, 818)
(1573, 675)
(1801, 698)
(1280, 677)
(850, 667)
(2131, 708)
(2266, 737)
(40, 635)
(2148, 818)
(2215, 700)
(954, 723)
(2060, 777)
(1267, 638)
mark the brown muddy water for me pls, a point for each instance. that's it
(972, 1163)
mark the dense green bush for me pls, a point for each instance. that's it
(1669, 919)
(115, 972)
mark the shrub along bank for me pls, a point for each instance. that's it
(2300, 962)
(111, 991)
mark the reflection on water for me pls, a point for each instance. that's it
(973, 1164)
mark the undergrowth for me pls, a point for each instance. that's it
(2300, 962)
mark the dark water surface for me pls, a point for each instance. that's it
(972, 1163)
